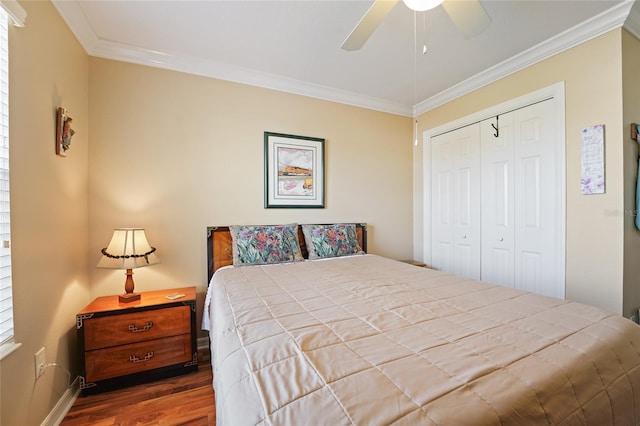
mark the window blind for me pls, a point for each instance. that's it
(6, 299)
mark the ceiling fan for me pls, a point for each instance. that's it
(468, 15)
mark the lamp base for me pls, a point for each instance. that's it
(129, 297)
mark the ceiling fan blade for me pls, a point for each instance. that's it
(368, 24)
(468, 15)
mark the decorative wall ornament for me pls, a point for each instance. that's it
(635, 129)
(64, 132)
(593, 172)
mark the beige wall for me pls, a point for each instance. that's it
(175, 153)
(170, 152)
(48, 68)
(593, 80)
(631, 114)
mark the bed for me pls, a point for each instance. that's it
(366, 340)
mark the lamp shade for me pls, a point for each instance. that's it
(422, 5)
(128, 249)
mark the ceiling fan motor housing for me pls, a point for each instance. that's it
(422, 5)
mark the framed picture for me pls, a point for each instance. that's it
(293, 171)
(63, 132)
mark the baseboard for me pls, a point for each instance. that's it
(63, 406)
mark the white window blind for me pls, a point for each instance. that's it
(6, 300)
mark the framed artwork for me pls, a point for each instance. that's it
(293, 171)
(64, 132)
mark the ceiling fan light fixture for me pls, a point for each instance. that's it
(422, 5)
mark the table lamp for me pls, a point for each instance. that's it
(128, 249)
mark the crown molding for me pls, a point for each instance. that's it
(610, 19)
(76, 21)
(594, 27)
(237, 74)
(16, 13)
(633, 21)
(94, 46)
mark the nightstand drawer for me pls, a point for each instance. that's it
(108, 331)
(125, 344)
(122, 360)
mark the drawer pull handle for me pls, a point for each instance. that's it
(135, 329)
(135, 359)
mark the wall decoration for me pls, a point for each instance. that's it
(293, 171)
(64, 132)
(593, 173)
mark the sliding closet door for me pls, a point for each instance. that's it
(455, 178)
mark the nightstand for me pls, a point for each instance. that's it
(124, 344)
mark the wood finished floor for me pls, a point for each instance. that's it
(182, 400)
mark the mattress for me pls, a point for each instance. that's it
(367, 340)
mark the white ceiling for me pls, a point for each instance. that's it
(294, 46)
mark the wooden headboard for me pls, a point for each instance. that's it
(220, 253)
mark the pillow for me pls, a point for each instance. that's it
(265, 244)
(331, 240)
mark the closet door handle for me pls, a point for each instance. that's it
(464, 236)
(501, 239)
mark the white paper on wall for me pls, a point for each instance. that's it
(592, 176)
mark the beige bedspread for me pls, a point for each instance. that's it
(370, 341)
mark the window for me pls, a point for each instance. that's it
(9, 10)
(6, 305)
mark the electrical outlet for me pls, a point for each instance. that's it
(39, 361)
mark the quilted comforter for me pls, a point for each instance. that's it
(371, 341)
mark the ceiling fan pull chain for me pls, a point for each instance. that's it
(424, 33)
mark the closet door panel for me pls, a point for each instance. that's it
(502, 199)
(536, 200)
(441, 191)
(444, 250)
(501, 267)
(530, 193)
(444, 198)
(464, 233)
(530, 272)
(497, 202)
(466, 202)
(456, 202)
(464, 193)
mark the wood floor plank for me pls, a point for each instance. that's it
(185, 400)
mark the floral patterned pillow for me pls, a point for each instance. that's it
(262, 245)
(331, 240)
